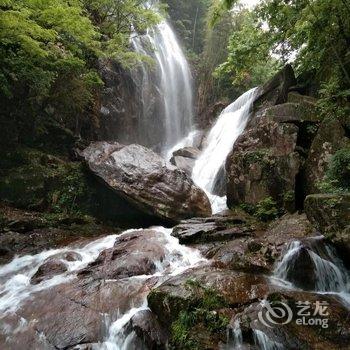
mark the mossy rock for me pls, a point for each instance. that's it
(330, 214)
(293, 113)
(35, 180)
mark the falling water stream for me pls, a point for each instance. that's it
(331, 275)
(229, 126)
(172, 81)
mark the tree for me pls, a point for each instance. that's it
(249, 62)
(49, 50)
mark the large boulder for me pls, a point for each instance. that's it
(213, 229)
(181, 292)
(331, 137)
(293, 113)
(264, 163)
(185, 158)
(71, 314)
(148, 328)
(330, 214)
(143, 179)
(298, 331)
(276, 90)
(48, 270)
(254, 248)
(134, 254)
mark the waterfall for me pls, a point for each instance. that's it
(169, 109)
(179, 258)
(331, 274)
(264, 342)
(229, 126)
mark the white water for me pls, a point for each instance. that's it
(178, 259)
(264, 342)
(229, 126)
(173, 83)
(331, 275)
(15, 276)
(16, 288)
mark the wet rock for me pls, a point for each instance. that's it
(68, 256)
(183, 163)
(33, 242)
(331, 137)
(71, 314)
(219, 187)
(148, 328)
(187, 152)
(260, 249)
(276, 90)
(180, 292)
(301, 273)
(264, 163)
(330, 214)
(133, 254)
(142, 178)
(293, 113)
(216, 228)
(49, 269)
(291, 335)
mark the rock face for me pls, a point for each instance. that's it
(133, 254)
(148, 328)
(276, 90)
(48, 270)
(264, 163)
(183, 291)
(250, 246)
(331, 137)
(141, 178)
(330, 214)
(292, 335)
(185, 159)
(273, 156)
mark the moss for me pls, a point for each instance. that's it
(31, 179)
(202, 312)
(257, 156)
(265, 210)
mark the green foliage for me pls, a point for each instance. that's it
(314, 35)
(70, 193)
(249, 62)
(49, 51)
(34, 180)
(265, 210)
(337, 178)
(189, 20)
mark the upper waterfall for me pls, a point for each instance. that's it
(169, 109)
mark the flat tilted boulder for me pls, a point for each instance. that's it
(143, 179)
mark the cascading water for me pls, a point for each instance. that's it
(264, 342)
(178, 259)
(15, 279)
(172, 117)
(331, 275)
(229, 126)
